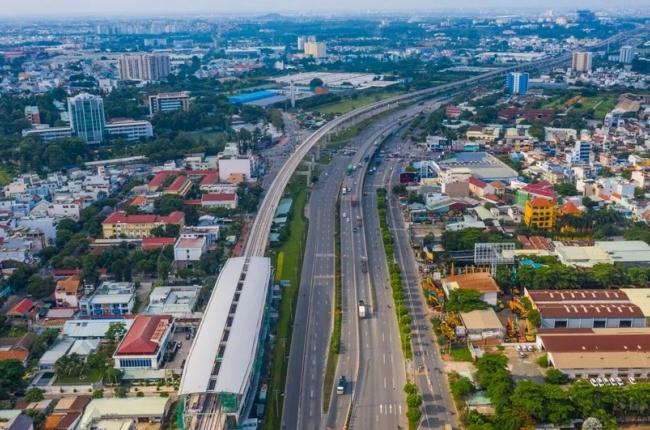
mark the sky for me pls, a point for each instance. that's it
(159, 7)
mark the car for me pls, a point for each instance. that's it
(612, 381)
(518, 348)
(530, 348)
(348, 219)
(188, 335)
(599, 382)
(620, 382)
(593, 382)
(179, 345)
(344, 216)
(632, 380)
(522, 355)
(355, 229)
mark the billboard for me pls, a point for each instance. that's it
(409, 178)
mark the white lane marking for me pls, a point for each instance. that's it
(384, 382)
(384, 358)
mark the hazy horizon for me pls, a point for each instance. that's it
(158, 7)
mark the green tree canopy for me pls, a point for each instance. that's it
(465, 300)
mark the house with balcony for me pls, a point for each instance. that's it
(109, 299)
(68, 292)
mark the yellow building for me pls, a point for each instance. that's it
(119, 224)
(541, 213)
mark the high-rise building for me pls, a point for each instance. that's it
(517, 83)
(301, 43)
(87, 117)
(581, 62)
(311, 39)
(168, 102)
(144, 67)
(316, 49)
(626, 54)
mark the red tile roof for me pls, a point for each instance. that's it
(588, 340)
(19, 355)
(21, 308)
(210, 179)
(220, 197)
(569, 209)
(156, 242)
(119, 216)
(178, 183)
(602, 310)
(541, 202)
(145, 335)
(477, 182)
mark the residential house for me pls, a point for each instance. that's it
(68, 292)
(20, 422)
(106, 413)
(109, 299)
(188, 249)
(541, 213)
(480, 188)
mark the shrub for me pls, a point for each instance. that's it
(140, 394)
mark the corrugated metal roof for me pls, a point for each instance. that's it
(239, 357)
(203, 353)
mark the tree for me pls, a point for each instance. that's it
(315, 83)
(413, 400)
(97, 360)
(163, 268)
(592, 423)
(41, 287)
(462, 388)
(68, 224)
(167, 204)
(113, 376)
(534, 317)
(98, 394)
(608, 274)
(20, 277)
(565, 189)
(461, 300)
(120, 392)
(11, 375)
(34, 394)
(555, 377)
(537, 130)
(37, 417)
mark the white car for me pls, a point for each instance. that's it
(612, 382)
(530, 348)
(632, 380)
(518, 348)
(593, 382)
(344, 216)
(620, 382)
(599, 382)
(348, 219)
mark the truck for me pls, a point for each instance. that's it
(378, 160)
(359, 221)
(340, 387)
(364, 265)
(366, 158)
(354, 200)
(350, 169)
(362, 309)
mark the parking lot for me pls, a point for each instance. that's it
(181, 352)
(524, 368)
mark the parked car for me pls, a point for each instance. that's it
(632, 380)
(518, 348)
(530, 348)
(612, 381)
(620, 382)
(522, 355)
(593, 382)
(599, 382)
(188, 335)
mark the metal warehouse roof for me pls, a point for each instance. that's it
(250, 97)
(239, 355)
(203, 353)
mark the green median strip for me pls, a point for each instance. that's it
(292, 258)
(335, 340)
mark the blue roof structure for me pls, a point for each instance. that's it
(251, 97)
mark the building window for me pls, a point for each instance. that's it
(625, 323)
(561, 324)
(600, 323)
(135, 362)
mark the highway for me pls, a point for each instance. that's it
(257, 240)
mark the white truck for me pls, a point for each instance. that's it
(362, 309)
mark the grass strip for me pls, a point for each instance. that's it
(292, 251)
(335, 340)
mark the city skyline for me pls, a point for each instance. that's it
(157, 7)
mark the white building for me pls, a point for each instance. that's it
(316, 49)
(96, 183)
(46, 224)
(188, 249)
(48, 133)
(244, 165)
(144, 345)
(626, 54)
(176, 301)
(144, 67)
(109, 299)
(130, 131)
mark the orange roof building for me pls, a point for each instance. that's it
(68, 292)
(569, 208)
